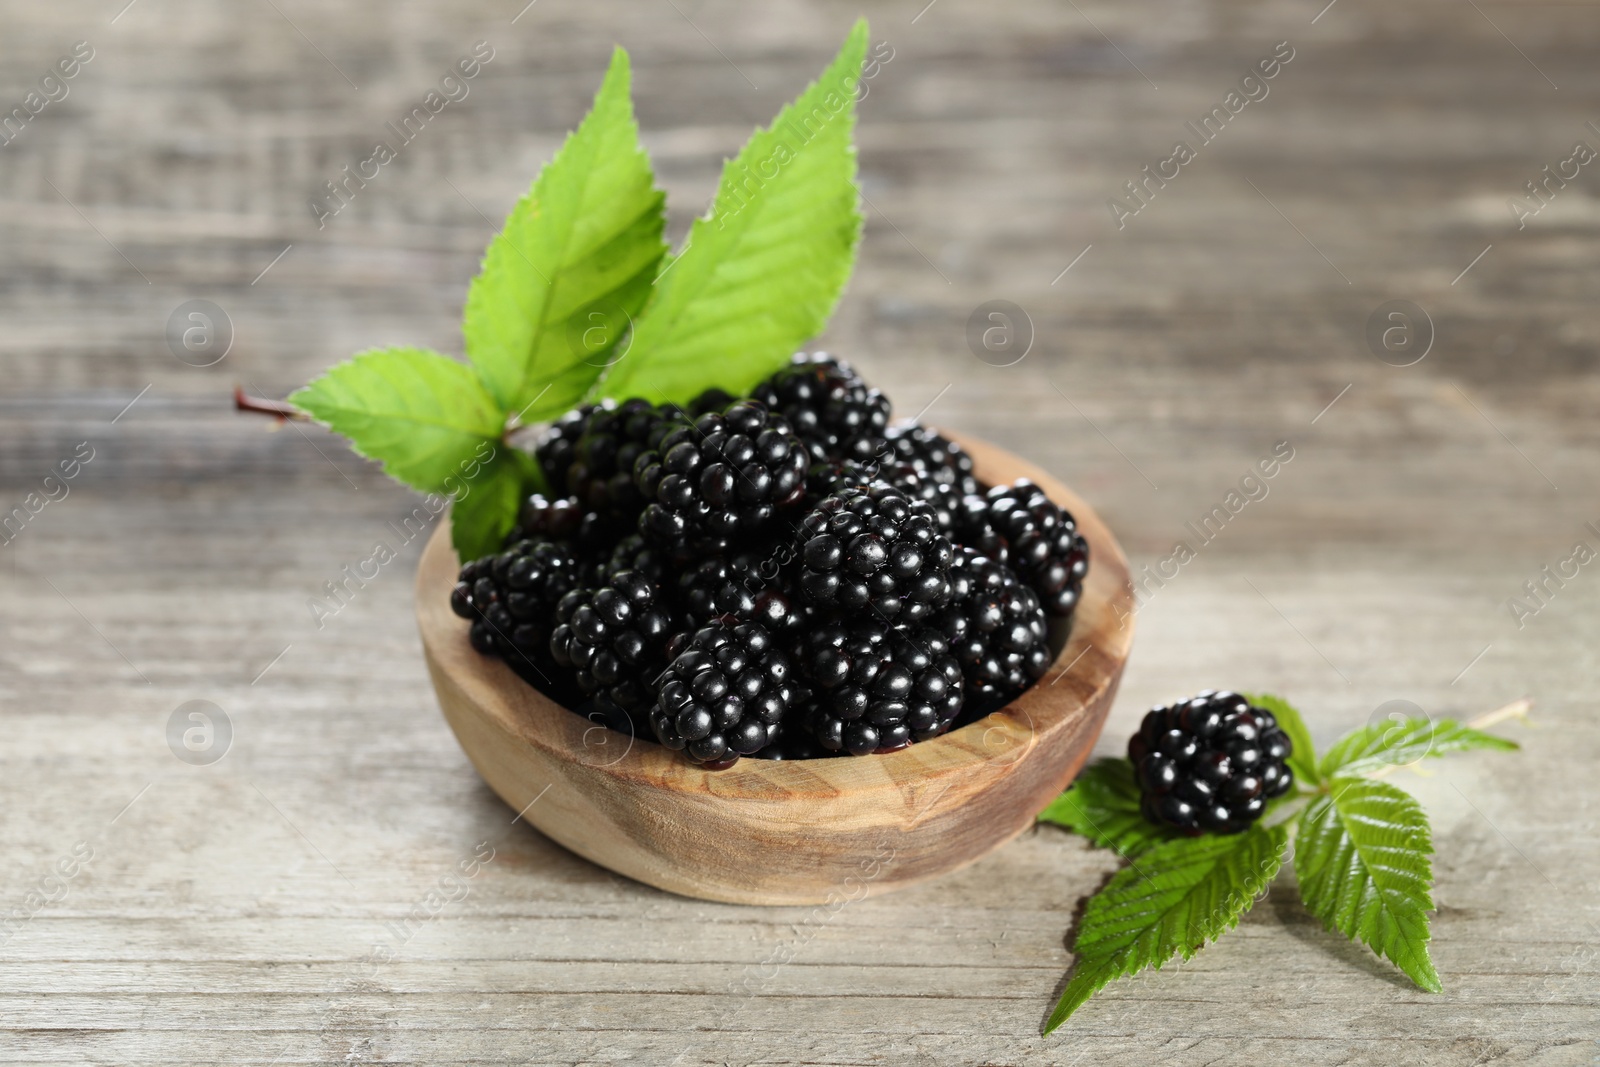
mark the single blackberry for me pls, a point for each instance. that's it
(723, 695)
(737, 590)
(615, 639)
(835, 412)
(997, 631)
(719, 480)
(541, 518)
(1210, 764)
(1020, 526)
(870, 549)
(601, 475)
(511, 599)
(712, 400)
(879, 688)
(558, 447)
(913, 447)
(631, 553)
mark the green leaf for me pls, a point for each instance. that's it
(1103, 805)
(1170, 901)
(1361, 856)
(424, 417)
(761, 272)
(486, 507)
(1396, 744)
(1303, 760)
(561, 282)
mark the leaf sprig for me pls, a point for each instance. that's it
(578, 299)
(1363, 855)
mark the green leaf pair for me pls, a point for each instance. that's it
(1362, 858)
(577, 299)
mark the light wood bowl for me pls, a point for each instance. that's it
(801, 832)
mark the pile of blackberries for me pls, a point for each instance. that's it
(786, 576)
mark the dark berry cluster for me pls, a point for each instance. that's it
(786, 576)
(835, 412)
(1209, 764)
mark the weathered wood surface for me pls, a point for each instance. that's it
(226, 915)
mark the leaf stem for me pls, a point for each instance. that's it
(279, 409)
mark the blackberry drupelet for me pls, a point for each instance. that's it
(997, 631)
(631, 553)
(511, 599)
(720, 480)
(872, 550)
(723, 695)
(1023, 528)
(710, 401)
(879, 688)
(835, 412)
(615, 639)
(1210, 764)
(601, 475)
(558, 447)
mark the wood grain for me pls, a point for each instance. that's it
(789, 832)
(227, 913)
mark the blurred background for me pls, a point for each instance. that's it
(1384, 255)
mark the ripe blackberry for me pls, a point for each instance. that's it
(879, 688)
(615, 639)
(601, 475)
(1020, 526)
(558, 447)
(1210, 764)
(721, 479)
(997, 631)
(631, 553)
(511, 599)
(737, 590)
(915, 448)
(723, 695)
(541, 518)
(712, 400)
(835, 412)
(870, 549)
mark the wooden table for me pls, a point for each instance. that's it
(226, 909)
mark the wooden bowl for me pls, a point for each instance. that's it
(800, 832)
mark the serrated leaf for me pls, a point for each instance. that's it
(761, 272)
(1362, 859)
(1385, 744)
(1103, 805)
(424, 417)
(485, 508)
(1170, 901)
(1303, 760)
(574, 263)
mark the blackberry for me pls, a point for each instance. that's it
(558, 447)
(511, 599)
(835, 412)
(723, 695)
(736, 590)
(997, 631)
(719, 480)
(1210, 764)
(601, 475)
(615, 639)
(879, 688)
(911, 448)
(541, 518)
(871, 549)
(631, 553)
(712, 400)
(1023, 528)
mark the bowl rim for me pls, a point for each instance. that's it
(1089, 663)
